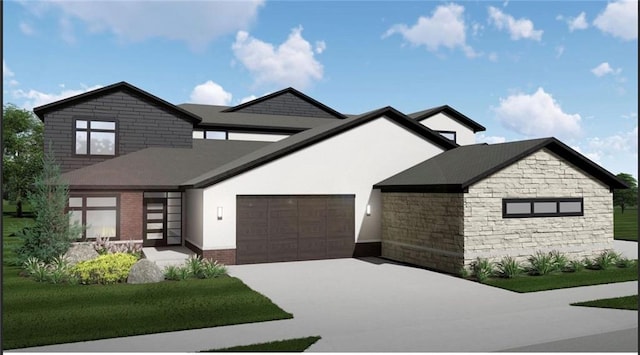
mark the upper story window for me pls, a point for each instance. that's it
(450, 135)
(95, 137)
(220, 135)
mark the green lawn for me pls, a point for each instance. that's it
(628, 302)
(36, 314)
(289, 345)
(585, 277)
(625, 225)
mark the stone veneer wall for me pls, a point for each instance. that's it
(424, 229)
(541, 174)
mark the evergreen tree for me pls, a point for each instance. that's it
(51, 233)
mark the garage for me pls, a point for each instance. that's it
(292, 228)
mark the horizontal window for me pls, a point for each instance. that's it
(97, 214)
(542, 207)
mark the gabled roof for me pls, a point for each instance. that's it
(307, 138)
(293, 92)
(159, 167)
(40, 111)
(457, 169)
(451, 112)
(216, 117)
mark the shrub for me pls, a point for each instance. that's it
(36, 269)
(560, 261)
(482, 269)
(606, 260)
(574, 265)
(508, 267)
(195, 267)
(624, 263)
(213, 269)
(464, 273)
(59, 270)
(105, 269)
(103, 246)
(541, 263)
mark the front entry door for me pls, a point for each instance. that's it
(155, 222)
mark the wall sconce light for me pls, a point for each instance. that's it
(219, 213)
(368, 210)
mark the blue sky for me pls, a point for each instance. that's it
(522, 69)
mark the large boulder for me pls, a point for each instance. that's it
(80, 252)
(145, 271)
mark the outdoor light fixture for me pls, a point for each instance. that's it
(219, 213)
(368, 210)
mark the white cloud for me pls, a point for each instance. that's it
(292, 63)
(617, 143)
(195, 22)
(493, 56)
(210, 93)
(481, 138)
(632, 115)
(619, 19)
(248, 98)
(6, 72)
(604, 69)
(34, 98)
(26, 28)
(321, 46)
(445, 28)
(537, 115)
(559, 51)
(578, 23)
(518, 29)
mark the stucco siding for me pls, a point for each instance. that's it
(442, 122)
(540, 175)
(348, 164)
(424, 229)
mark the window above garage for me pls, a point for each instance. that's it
(542, 207)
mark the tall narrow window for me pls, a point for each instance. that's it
(95, 137)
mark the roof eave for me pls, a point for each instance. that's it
(40, 111)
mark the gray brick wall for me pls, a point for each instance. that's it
(141, 124)
(286, 104)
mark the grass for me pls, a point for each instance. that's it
(627, 302)
(35, 314)
(289, 345)
(625, 225)
(585, 277)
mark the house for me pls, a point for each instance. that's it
(285, 177)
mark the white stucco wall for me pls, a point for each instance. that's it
(442, 122)
(540, 175)
(261, 137)
(349, 163)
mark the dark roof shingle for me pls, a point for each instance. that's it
(457, 169)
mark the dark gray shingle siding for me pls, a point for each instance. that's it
(286, 104)
(141, 124)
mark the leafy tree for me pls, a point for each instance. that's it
(22, 135)
(626, 197)
(51, 233)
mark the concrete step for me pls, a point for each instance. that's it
(165, 256)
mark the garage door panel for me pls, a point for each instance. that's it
(253, 252)
(294, 228)
(283, 249)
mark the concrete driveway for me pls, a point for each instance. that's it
(373, 305)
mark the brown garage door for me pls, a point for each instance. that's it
(288, 228)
